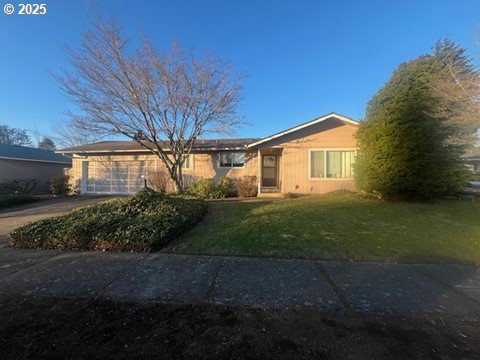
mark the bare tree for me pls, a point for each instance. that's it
(36, 134)
(43, 141)
(13, 136)
(163, 100)
(457, 90)
(69, 134)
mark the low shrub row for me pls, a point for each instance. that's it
(20, 187)
(58, 185)
(144, 222)
(210, 189)
(246, 186)
(7, 200)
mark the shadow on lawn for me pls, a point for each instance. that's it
(337, 227)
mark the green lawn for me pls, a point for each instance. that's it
(338, 227)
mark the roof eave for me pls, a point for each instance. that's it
(234, 148)
(79, 151)
(35, 160)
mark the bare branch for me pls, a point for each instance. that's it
(171, 98)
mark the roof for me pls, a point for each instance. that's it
(24, 153)
(133, 146)
(304, 125)
(201, 144)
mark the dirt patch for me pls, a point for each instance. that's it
(59, 328)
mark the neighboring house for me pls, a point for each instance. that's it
(314, 157)
(472, 159)
(21, 163)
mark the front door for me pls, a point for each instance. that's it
(270, 170)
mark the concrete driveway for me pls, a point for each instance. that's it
(16, 216)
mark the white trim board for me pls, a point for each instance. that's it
(34, 160)
(194, 151)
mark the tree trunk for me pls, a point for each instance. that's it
(176, 177)
(180, 178)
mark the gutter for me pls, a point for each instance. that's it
(35, 160)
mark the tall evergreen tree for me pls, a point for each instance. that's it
(404, 148)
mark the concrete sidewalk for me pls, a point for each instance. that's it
(368, 288)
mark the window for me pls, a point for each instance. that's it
(331, 163)
(189, 162)
(232, 160)
(317, 164)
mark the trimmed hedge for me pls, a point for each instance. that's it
(144, 222)
(209, 189)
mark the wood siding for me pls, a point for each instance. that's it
(294, 159)
(206, 165)
(293, 151)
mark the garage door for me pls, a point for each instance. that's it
(116, 177)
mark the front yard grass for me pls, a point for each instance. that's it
(338, 227)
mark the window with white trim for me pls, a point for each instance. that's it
(189, 162)
(331, 164)
(232, 160)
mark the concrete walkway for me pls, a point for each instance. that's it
(368, 288)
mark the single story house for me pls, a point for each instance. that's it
(472, 159)
(314, 157)
(22, 163)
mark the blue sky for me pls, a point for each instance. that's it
(303, 58)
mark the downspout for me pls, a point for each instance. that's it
(259, 161)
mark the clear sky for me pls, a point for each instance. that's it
(303, 58)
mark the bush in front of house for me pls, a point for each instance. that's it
(204, 188)
(24, 187)
(159, 180)
(209, 189)
(247, 186)
(17, 192)
(144, 222)
(7, 200)
(227, 187)
(60, 185)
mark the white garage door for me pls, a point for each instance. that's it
(115, 177)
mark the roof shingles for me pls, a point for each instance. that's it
(201, 144)
(16, 152)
